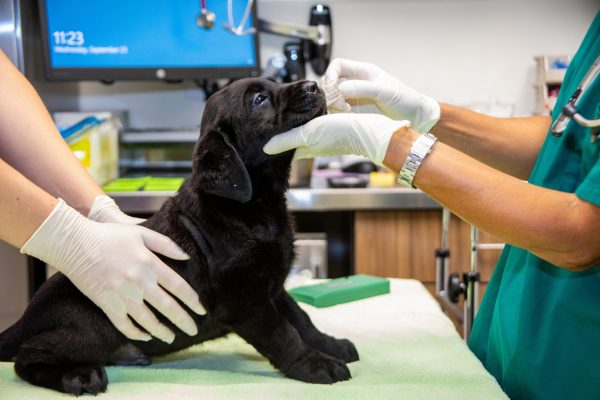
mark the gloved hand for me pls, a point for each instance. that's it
(347, 79)
(113, 265)
(336, 134)
(104, 209)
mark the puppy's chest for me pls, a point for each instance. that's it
(265, 231)
(269, 241)
(265, 221)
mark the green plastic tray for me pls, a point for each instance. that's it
(163, 184)
(341, 290)
(146, 183)
(126, 184)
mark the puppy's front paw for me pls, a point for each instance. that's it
(337, 348)
(85, 379)
(316, 367)
(342, 349)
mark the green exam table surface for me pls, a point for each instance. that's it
(408, 350)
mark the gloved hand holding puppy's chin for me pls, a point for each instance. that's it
(115, 267)
(339, 134)
(358, 81)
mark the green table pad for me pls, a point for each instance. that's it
(408, 350)
(341, 290)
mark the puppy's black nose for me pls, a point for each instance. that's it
(310, 87)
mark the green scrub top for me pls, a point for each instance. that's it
(538, 327)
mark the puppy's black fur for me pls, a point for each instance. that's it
(230, 216)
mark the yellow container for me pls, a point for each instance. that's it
(382, 179)
(96, 145)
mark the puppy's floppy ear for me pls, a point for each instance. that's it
(220, 169)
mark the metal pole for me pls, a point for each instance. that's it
(474, 270)
(443, 255)
(471, 280)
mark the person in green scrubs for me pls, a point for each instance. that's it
(538, 328)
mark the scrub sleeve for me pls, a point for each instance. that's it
(538, 328)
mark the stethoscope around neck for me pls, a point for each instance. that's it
(569, 111)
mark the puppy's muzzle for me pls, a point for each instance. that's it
(306, 97)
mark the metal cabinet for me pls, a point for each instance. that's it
(10, 32)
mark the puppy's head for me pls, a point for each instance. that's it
(236, 124)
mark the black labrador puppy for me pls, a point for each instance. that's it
(231, 217)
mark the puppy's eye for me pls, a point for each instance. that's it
(258, 99)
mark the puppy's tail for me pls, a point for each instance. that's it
(10, 342)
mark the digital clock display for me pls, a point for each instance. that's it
(143, 34)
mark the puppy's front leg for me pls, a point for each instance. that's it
(275, 338)
(338, 348)
(256, 319)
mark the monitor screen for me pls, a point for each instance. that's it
(146, 39)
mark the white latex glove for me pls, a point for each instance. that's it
(338, 134)
(104, 209)
(114, 266)
(346, 79)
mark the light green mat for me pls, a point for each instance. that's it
(125, 184)
(156, 184)
(408, 350)
(146, 183)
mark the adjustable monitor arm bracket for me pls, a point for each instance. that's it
(316, 37)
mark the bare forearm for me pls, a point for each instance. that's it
(30, 142)
(23, 206)
(510, 145)
(508, 208)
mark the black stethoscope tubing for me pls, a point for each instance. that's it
(569, 111)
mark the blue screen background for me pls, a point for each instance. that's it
(156, 33)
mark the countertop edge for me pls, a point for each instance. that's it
(304, 199)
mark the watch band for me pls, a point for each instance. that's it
(419, 150)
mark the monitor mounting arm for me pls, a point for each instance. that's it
(316, 37)
(319, 34)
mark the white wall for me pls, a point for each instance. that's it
(454, 50)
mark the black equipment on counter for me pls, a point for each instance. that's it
(319, 52)
(295, 69)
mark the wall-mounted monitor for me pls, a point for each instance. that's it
(147, 40)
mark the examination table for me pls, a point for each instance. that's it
(408, 350)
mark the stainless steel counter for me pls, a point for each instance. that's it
(304, 200)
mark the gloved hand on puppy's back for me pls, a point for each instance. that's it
(104, 209)
(113, 264)
(347, 80)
